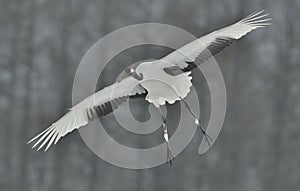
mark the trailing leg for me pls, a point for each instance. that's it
(170, 156)
(208, 139)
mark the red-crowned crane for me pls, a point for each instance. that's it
(160, 81)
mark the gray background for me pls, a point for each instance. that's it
(42, 43)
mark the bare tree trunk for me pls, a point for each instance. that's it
(281, 99)
(13, 63)
(27, 106)
(63, 70)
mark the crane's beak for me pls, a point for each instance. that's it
(137, 76)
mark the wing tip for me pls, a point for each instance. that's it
(257, 19)
(47, 136)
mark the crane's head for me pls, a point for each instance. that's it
(132, 72)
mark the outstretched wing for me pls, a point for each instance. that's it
(94, 106)
(199, 50)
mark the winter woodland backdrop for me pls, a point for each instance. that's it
(42, 43)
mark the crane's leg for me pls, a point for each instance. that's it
(170, 156)
(208, 139)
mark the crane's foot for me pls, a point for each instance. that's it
(170, 156)
(207, 138)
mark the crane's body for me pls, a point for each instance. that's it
(162, 87)
(159, 81)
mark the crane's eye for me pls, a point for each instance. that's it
(130, 70)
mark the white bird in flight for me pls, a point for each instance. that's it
(165, 80)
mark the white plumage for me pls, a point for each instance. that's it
(162, 87)
(160, 81)
(190, 51)
(80, 114)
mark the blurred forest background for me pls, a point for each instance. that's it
(42, 43)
